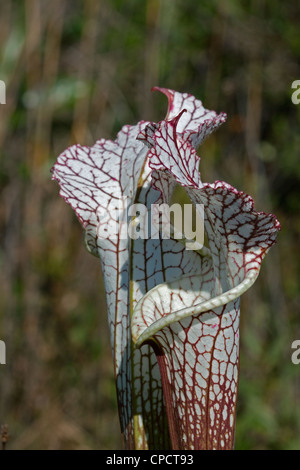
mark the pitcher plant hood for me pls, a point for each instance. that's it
(173, 312)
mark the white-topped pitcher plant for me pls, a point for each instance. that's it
(173, 308)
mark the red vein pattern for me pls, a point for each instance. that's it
(182, 385)
(196, 122)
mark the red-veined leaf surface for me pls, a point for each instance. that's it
(185, 303)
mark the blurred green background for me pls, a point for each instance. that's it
(75, 71)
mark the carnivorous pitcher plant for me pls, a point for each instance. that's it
(173, 304)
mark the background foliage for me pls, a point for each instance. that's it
(77, 70)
